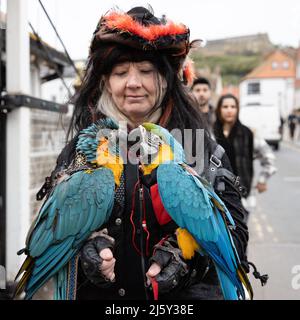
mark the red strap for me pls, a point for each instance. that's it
(154, 288)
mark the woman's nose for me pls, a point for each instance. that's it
(133, 79)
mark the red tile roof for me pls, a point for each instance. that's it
(268, 70)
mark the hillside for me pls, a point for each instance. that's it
(232, 67)
(233, 57)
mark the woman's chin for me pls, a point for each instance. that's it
(230, 121)
(136, 113)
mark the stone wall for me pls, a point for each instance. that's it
(252, 44)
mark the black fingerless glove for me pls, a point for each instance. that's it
(91, 260)
(174, 268)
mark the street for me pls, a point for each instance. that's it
(274, 230)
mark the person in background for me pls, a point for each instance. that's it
(292, 122)
(263, 152)
(266, 157)
(236, 139)
(201, 90)
(243, 146)
(298, 125)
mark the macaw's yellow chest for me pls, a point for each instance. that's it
(109, 160)
(164, 154)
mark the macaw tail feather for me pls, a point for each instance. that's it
(245, 281)
(39, 279)
(228, 289)
(27, 268)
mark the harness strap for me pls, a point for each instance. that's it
(215, 163)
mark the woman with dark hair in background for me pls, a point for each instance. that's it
(243, 146)
(236, 139)
(136, 76)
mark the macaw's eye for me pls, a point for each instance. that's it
(108, 135)
(156, 139)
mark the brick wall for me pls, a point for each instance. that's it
(47, 136)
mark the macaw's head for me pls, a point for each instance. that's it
(99, 146)
(156, 146)
(108, 152)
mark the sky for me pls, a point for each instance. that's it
(76, 20)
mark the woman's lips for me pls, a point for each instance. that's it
(134, 98)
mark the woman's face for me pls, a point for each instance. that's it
(229, 111)
(133, 87)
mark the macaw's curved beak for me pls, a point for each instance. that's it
(143, 144)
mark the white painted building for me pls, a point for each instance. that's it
(31, 132)
(271, 83)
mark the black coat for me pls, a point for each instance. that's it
(130, 266)
(239, 149)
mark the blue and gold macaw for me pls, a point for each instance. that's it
(197, 210)
(77, 206)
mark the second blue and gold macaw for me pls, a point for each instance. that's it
(201, 216)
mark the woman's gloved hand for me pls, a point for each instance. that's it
(97, 258)
(167, 265)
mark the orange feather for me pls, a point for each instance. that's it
(126, 23)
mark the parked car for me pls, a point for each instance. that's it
(263, 119)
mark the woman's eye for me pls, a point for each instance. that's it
(146, 71)
(119, 73)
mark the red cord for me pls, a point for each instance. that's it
(131, 219)
(144, 225)
(144, 222)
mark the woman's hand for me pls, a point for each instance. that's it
(167, 265)
(97, 259)
(153, 271)
(108, 264)
(261, 187)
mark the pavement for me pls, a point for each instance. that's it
(274, 228)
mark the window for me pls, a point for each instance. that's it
(285, 64)
(274, 65)
(253, 88)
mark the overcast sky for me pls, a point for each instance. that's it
(207, 19)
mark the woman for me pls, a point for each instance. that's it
(236, 139)
(134, 76)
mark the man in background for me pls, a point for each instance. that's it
(201, 89)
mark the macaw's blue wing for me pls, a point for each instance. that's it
(77, 206)
(191, 206)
